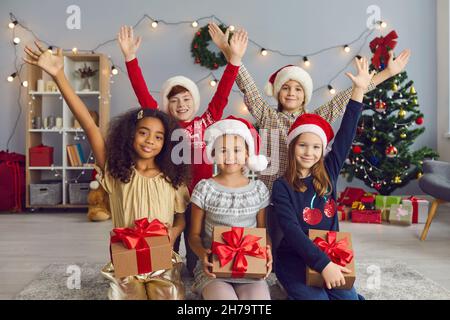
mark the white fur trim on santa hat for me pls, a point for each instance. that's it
(255, 162)
(291, 73)
(179, 81)
(309, 128)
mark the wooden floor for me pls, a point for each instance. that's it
(29, 242)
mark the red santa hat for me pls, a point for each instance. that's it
(183, 82)
(313, 123)
(240, 127)
(286, 73)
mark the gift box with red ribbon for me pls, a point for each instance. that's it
(239, 252)
(350, 195)
(338, 247)
(420, 208)
(366, 216)
(368, 200)
(343, 213)
(142, 249)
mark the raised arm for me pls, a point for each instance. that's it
(333, 109)
(220, 99)
(346, 133)
(253, 99)
(129, 46)
(54, 66)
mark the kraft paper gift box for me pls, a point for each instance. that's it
(420, 209)
(339, 244)
(143, 249)
(344, 213)
(401, 214)
(384, 203)
(249, 262)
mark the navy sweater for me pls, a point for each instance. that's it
(289, 205)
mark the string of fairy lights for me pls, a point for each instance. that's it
(304, 59)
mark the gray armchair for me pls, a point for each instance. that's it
(435, 182)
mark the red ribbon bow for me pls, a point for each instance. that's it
(380, 47)
(414, 201)
(337, 251)
(237, 247)
(134, 238)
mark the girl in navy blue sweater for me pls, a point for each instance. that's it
(305, 197)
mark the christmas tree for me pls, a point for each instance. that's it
(381, 154)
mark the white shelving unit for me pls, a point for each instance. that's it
(43, 104)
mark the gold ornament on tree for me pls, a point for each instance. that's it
(397, 180)
(394, 87)
(403, 135)
(401, 113)
(412, 90)
(419, 175)
(374, 139)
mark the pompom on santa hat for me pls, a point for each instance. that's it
(286, 73)
(179, 81)
(240, 127)
(312, 123)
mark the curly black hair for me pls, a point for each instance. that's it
(120, 154)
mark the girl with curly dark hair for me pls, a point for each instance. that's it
(134, 166)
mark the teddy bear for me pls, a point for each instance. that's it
(98, 203)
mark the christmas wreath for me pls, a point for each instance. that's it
(200, 52)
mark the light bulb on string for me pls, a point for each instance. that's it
(213, 82)
(13, 24)
(74, 50)
(194, 24)
(347, 48)
(114, 70)
(306, 61)
(154, 24)
(264, 52)
(331, 89)
(11, 77)
(25, 84)
(16, 40)
(231, 28)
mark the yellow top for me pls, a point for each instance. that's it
(143, 197)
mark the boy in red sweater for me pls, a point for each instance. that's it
(180, 98)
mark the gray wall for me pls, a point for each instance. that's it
(291, 26)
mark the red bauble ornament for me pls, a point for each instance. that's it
(419, 120)
(312, 216)
(377, 186)
(198, 33)
(391, 152)
(356, 149)
(197, 60)
(195, 46)
(215, 65)
(380, 106)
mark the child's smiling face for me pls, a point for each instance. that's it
(308, 150)
(230, 153)
(148, 138)
(291, 96)
(181, 106)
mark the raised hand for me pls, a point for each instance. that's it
(128, 44)
(395, 66)
(238, 46)
(363, 77)
(45, 59)
(220, 39)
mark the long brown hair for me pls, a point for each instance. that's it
(321, 180)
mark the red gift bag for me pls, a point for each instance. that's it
(12, 181)
(41, 156)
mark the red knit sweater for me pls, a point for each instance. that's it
(195, 128)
